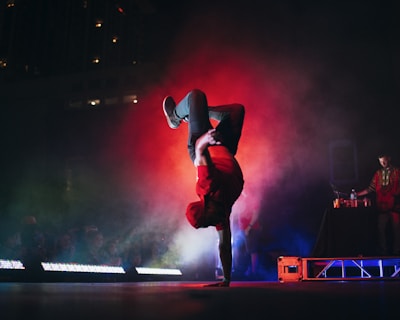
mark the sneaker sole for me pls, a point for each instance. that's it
(170, 124)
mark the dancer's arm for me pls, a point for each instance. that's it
(202, 143)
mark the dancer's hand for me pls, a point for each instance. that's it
(218, 284)
(202, 143)
(208, 138)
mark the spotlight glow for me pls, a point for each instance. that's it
(71, 267)
(11, 264)
(159, 271)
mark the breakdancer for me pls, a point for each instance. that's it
(219, 176)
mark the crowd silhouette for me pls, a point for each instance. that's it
(32, 243)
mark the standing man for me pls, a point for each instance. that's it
(247, 235)
(250, 229)
(219, 176)
(386, 185)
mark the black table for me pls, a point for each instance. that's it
(347, 232)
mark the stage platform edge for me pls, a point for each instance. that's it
(294, 269)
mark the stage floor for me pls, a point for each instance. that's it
(191, 300)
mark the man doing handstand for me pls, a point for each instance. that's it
(212, 151)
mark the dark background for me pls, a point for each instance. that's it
(319, 80)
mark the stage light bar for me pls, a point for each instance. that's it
(11, 264)
(73, 267)
(158, 271)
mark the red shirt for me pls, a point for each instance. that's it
(386, 184)
(222, 180)
(244, 222)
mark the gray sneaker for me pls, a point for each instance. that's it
(169, 111)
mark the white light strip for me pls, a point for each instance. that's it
(11, 264)
(174, 272)
(72, 267)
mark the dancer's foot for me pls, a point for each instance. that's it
(169, 110)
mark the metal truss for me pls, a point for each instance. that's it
(292, 269)
(350, 268)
